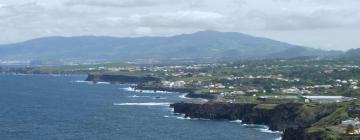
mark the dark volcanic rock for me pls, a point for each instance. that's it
(213, 111)
(294, 134)
(161, 88)
(121, 78)
(291, 118)
(203, 96)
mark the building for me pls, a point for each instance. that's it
(176, 84)
(179, 84)
(252, 90)
(355, 123)
(328, 99)
(292, 90)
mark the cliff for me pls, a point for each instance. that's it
(141, 84)
(291, 118)
(123, 79)
(202, 95)
(159, 87)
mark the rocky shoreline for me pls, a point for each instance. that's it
(289, 118)
(121, 79)
(292, 119)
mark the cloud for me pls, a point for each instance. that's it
(111, 3)
(294, 20)
(143, 31)
(25, 8)
(22, 20)
(178, 19)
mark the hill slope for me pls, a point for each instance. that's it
(211, 45)
(353, 53)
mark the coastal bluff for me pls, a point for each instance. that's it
(121, 79)
(291, 118)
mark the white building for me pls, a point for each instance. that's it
(328, 99)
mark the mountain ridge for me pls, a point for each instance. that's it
(212, 45)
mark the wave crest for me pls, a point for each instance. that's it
(144, 91)
(143, 104)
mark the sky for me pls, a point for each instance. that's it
(324, 24)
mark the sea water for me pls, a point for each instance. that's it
(44, 107)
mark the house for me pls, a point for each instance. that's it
(292, 90)
(237, 92)
(323, 86)
(355, 123)
(179, 84)
(253, 90)
(219, 85)
(176, 84)
(234, 93)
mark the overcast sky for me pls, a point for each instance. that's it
(326, 24)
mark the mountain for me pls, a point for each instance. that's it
(353, 53)
(210, 45)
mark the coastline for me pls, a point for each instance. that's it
(290, 129)
(290, 119)
(272, 119)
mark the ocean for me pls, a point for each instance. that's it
(60, 107)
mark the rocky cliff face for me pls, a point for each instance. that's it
(302, 134)
(213, 111)
(121, 78)
(202, 96)
(291, 118)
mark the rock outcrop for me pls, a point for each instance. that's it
(123, 79)
(290, 118)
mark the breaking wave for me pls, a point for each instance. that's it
(136, 96)
(82, 81)
(143, 104)
(236, 121)
(144, 91)
(267, 130)
(262, 128)
(106, 83)
(183, 96)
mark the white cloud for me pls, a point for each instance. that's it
(178, 19)
(143, 31)
(294, 20)
(111, 3)
(22, 20)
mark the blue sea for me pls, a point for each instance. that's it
(57, 107)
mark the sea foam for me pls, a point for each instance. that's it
(143, 104)
(90, 82)
(236, 121)
(183, 96)
(82, 81)
(143, 91)
(267, 130)
(105, 83)
(137, 96)
(262, 128)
